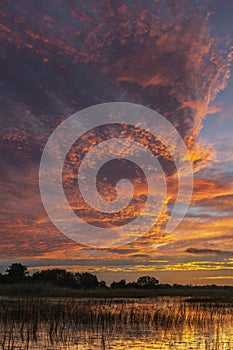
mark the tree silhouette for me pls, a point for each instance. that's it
(16, 272)
(102, 284)
(58, 277)
(147, 282)
(120, 284)
(86, 280)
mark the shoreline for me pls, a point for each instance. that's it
(47, 290)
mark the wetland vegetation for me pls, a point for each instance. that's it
(56, 309)
(116, 323)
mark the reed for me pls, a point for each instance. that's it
(38, 323)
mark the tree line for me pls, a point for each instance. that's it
(18, 273)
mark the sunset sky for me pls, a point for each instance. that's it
(175, 57)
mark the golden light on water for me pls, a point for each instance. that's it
(159, 323)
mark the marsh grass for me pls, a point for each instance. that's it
(58, 323)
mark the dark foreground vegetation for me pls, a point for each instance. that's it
(59, 282)
(76, 323)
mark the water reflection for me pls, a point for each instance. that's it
(87, 324)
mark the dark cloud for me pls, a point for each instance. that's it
(60, 57)
(207, 251)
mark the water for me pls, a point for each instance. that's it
(87, 324)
